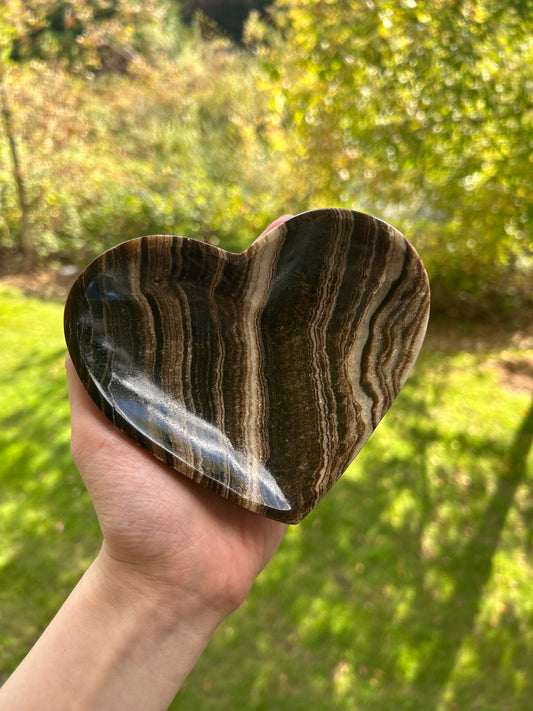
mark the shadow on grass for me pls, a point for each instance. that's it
(471, 566)
(372, 599)
(370, 602)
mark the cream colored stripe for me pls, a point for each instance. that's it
(261, 271)
(218, 366)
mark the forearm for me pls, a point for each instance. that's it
(115, 643)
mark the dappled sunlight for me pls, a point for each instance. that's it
(412, 576)
(48, 530)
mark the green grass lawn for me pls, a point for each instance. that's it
(409, 587)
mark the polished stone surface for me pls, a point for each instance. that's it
(259, 375)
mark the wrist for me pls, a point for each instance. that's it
(117, 642)
(125, 587)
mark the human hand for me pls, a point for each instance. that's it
(159, 526)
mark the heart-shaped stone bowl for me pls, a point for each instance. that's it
(259, 375)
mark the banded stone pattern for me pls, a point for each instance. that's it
(262, 374)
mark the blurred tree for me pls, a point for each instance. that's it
(81, 37)
(417, 110)
(25, 241)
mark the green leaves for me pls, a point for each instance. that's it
(416, 111)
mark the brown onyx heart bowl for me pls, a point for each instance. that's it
(259, 375)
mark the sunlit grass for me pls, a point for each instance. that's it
(409, 587)
(47, 528)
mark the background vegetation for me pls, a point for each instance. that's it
(126, 121)
(411, 585)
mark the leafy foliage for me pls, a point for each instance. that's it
(85, 35)
(415, 111)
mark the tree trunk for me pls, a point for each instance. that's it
(26, 241)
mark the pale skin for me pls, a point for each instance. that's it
(175, 560)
